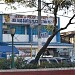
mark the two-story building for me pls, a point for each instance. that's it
(26, 35)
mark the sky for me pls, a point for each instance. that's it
(27, 11)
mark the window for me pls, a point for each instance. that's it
(43, 60)
(19, 29)
(52, 60)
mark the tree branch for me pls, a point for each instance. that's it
(73, 23)
(67, 24)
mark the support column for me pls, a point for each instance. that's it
(39, 25)
(1, 22)
(58, 34)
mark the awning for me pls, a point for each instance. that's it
(3, 44)
(8, 49)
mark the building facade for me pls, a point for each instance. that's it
(68, 37)
(26, 35)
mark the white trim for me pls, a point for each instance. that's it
(29, 46)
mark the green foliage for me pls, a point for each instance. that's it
(4, 63)
(19, 63)
(57, 2)
(28, 3)
(30, 66)
(49, 27)
(9, 1)
(62, 3)
(31, 3)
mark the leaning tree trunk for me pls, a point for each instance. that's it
(44, 47)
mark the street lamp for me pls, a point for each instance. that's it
(32, 26)
(12, 31)
(39, 25)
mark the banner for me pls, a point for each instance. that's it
(27, 19)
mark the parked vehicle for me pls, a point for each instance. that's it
(30, 61)
(73, 59)
(62, 59)
(46, 56)
(53, 60)
(43, 60)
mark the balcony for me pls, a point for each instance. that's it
(17, 38)
(24, 38)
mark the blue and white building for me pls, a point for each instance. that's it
(26, 34)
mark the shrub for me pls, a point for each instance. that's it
(4, 64)
(19, 63)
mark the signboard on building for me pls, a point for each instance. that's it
(44, 35)
(27, 19)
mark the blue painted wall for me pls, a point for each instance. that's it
(43, 29)
(58, 34)
(29, 32)
(1, 19)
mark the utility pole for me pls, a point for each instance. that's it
(39, 25)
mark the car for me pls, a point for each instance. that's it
(30, 61)
(43, 60)
(62, 59)
(53, 60)
(46, 56)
